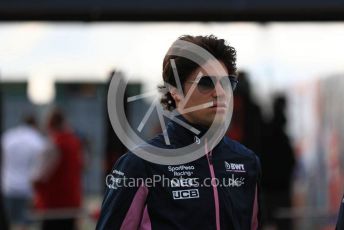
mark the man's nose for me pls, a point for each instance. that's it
(219, 91)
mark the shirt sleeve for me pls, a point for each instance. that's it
(125, 197)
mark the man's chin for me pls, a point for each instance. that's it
(218, 119)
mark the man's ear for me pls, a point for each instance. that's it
(175, 94)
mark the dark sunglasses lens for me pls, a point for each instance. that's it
(206, 83)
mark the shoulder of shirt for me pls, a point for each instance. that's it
(157, 141)
(131, 165)
(22, 130)
(238, 148)
(130, 158)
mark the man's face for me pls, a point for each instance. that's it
(216, 99)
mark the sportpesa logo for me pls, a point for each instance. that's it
(181, 167)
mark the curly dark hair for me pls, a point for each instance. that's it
(217, 47)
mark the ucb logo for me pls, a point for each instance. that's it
(185, 194)
(231, 167)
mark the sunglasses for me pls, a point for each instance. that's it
(207, 83)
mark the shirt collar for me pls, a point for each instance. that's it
(187, 134)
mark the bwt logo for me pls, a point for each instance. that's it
(185, 194)
(231, 167)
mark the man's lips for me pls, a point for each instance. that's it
(219, 104)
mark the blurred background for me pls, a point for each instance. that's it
(288, 106)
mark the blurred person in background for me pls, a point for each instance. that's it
(22, 146)
(58, 191)
(247, 121)
(278, 163)
(114, 148)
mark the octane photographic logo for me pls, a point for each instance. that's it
(168, 156)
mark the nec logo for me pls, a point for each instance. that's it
(184, 182)
(232, 167)
(185, 194)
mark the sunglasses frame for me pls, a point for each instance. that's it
(232, 78)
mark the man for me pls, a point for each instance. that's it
(186, 201)
(22, 146)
